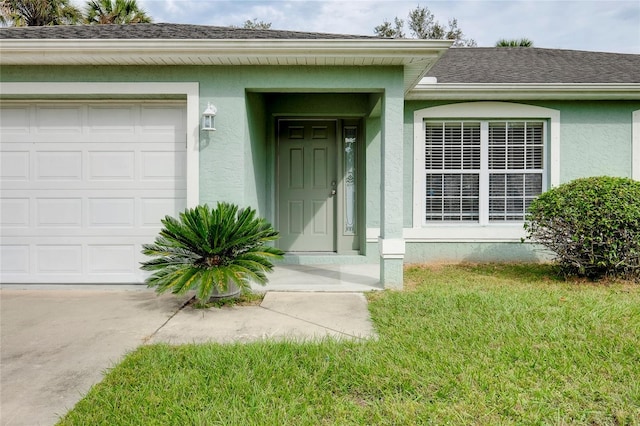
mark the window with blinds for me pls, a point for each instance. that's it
(452, 161)
(515, 168)
(482, 171)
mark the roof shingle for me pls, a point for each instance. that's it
(534, 65)
(482, 65)
(160, 31)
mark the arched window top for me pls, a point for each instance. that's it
(487, 110)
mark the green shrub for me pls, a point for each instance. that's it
(209, 249)
(592, 225)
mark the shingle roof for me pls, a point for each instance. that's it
(534, 65)
(491, 65)
(160, 31)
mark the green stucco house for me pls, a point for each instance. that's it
(358, 149)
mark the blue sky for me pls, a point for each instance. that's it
(604, 25)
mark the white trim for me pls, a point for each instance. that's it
(416, 56)
(635, 145)
(373, 46)
(190, 90)
(391, 248)
(466, 233)
(476, 110)
(524, 91)
(372, 235)
(457, 234)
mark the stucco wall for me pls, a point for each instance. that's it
(595, 139)
(236, 161)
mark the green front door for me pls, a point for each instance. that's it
(306, 185)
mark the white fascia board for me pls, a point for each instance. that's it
(15, 51)
(556, 91)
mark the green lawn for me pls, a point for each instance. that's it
(471, 344)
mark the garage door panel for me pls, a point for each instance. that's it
(153, 210)
(111, 120)
(60, 165)
(108, 260)
(122, 210)
(176, 137)
(56, 212)
(97, 190)
(111, 212)
(163, 165)
(59, 259)
(14, 165)
(51, 162)
(111, 165)
(56, 119)
(112, 258)
(84, 186)
(162, 119)
(86, 138)
(15, 120)
(143, 235)
(14, 212)
(14, 259)
(24, 188)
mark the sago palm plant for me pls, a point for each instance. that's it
(210, 249)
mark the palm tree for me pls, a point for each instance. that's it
(523, 42)
(115, 12)
(211, 250)
(23, 13)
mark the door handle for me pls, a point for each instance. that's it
(333, 192)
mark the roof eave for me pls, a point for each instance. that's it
(525, 91)
(416, 56)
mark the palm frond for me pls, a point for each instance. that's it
(207, 248)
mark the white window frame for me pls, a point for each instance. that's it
(509, 231)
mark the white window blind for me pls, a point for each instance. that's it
(482, 171)
(515, 168)
(452, 158)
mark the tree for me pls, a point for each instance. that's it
(256, 25)
(423, 25)
(24, 13)
(388, 31)
(523, 42)
(115, 12)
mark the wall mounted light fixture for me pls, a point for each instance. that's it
(209, 117)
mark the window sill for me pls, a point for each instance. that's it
(466, 232)
(512, 232)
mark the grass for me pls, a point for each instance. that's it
(467, 344)
(244, 299)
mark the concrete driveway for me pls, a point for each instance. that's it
(58, 342)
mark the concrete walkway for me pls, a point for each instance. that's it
(56, 341)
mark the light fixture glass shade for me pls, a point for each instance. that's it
(208, 118)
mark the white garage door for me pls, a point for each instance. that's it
(84, 185)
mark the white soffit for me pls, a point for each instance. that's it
(416, 56)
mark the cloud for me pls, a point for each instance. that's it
(605, 25)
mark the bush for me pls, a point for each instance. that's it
(592, 225)
(210, 250)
